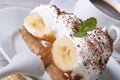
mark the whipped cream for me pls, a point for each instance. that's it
(47, 13)
(56, 20)
(93, 52)
(66, 25)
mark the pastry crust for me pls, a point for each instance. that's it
(36, 46)
(55, 73)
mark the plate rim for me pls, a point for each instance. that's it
(14, 9)
(18, 8)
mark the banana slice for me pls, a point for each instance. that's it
(64, 53)
(35, 25)
(35, 22)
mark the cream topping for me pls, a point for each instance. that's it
(93, 52)
(54, 19)
(47, 13)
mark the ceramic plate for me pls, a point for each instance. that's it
(11, 20)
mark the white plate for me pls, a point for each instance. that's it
(64, 5)
(11, 19)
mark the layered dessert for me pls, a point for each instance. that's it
(71, 49)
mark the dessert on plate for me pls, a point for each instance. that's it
(71, 49)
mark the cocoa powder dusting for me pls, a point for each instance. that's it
(70, 19)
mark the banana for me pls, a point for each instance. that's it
(34, 21)
(64, 53)
(35, 25)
